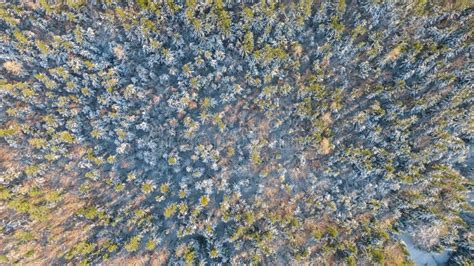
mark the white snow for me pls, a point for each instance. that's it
(421, 257)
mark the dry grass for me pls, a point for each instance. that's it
(297, 50)
(119, 52)
(159, 257)
(325, 146)
(7, 158)
(395, 255)
(394, 53)
(68, 207)
(327, 118)
(139, 260)
(13, 67)
(31, 4)
(60, 238)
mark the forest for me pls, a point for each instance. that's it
(306, 132)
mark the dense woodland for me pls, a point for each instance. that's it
(206, 132)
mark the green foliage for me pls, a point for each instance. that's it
(4, 193)
(249, 218)
(7, 18)
(147, 187)
(378, 256)
(170, 210)
(89, 212)
(81, 248)
(351, 261)
(172, 160)
(337, 25)
(420, 6)
(248, 42)
(3, 259)
(165, 188)
(112, 248)
(30, 253)
(84, 248)
(214, 253)
(32, 170)
(269, 53)
(42, 47)
(189, 257)
(224, 19)
(255, 157)
(119, 187)
(24, 236)
(317, 234)
(173, 6)
(150, 245)
(341, 6)
(38, 143)
(65, 136)
(75, 3)
(248, 13)
(20, 37)
(204, 200)
(133, 244)
(20, 205)
(144, 4)
(8, 132)
(332, 231)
